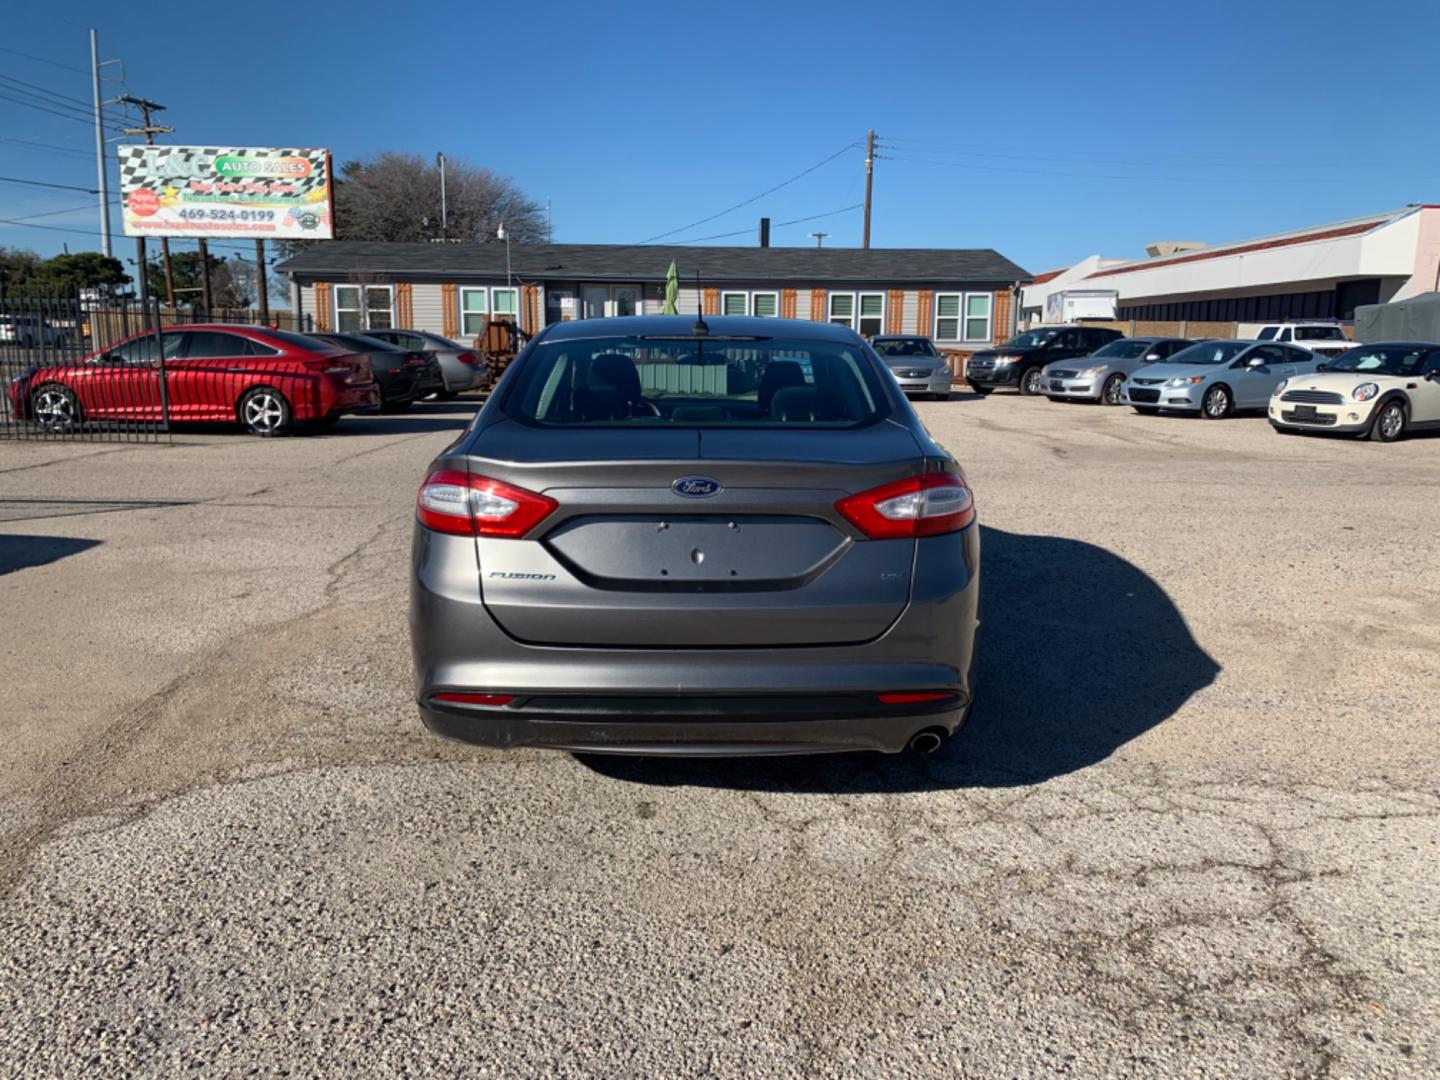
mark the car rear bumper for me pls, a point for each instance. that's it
(729, 700)
(693, 726)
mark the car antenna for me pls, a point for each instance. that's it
(701, 328)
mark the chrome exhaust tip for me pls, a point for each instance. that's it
(925, 742)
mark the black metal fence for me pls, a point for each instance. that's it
(77, 369)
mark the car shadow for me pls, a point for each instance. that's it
(1080, 652)
(420, 419)
(20, 552)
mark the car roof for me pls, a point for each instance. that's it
(900, 337)
(683, 326)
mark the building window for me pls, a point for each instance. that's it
(734, 303)
(765, 305)
(474, 306)
(864, 312)
(364, 307)
(947, 317)
(478, 302)
(977, 316)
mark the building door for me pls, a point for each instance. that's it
(604, 301)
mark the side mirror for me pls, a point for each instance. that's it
(1150, 358)
(111, 358)
(1321, 367)
(1255, 362)
(1433, 375)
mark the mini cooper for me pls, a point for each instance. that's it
(1381, 390)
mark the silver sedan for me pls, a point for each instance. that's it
(1101, 375)
(917, 367)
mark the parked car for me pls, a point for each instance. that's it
(1020, 360)
(30, 331)
(1325, 338)
(462, 368)
(1216, 378)
(1101, 375)
(1381, 390)
(264, 380)
(404, 376)
(917, 367)
(624, 554)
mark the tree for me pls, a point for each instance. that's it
(16, 266)
(185, 270)
(394, 196)
(64, 275)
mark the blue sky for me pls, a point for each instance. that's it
(1044, 130)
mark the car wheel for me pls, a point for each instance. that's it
(1145, 410)
(264, 411)
(1113, 390)
(981, 391)
(1030, 382)
(1216, 404)
(1389, 423)
(55, 408)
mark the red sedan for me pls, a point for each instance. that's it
(264, 380)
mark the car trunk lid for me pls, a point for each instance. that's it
(628, 560)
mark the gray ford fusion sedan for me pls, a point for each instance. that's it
(663, 535)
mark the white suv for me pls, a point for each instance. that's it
(1325, 338)
(1383, 390)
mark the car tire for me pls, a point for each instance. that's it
(1030, 381)
(1146, 410)
(1217, 404)
(981, 391)
(1111, 391)
(55, 408)
(265, 411)
(1389, 423)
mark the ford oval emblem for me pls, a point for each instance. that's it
(696, 487)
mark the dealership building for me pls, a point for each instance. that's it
(1320, 272)
(962, 298)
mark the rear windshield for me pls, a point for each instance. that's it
(696, 382)
(1319, 333)
(360, 343)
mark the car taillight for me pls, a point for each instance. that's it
(469, 358)
(920, 506)
(460, 504)
(416, 359)
(475, 699)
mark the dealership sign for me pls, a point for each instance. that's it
(243, 192)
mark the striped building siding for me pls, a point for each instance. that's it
(910, 314)
(427, 302)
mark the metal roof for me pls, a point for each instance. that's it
(630, 262)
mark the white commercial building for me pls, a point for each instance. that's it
(1323, 272)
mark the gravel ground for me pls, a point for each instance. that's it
(1191, 830)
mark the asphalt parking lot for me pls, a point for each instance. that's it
(1192, 829)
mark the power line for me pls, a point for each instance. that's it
(781, 225)
(48, 147)
(60, 98)
(43, 183)
(89, 118)
(754, 198)
(67, 210)
(42, 60)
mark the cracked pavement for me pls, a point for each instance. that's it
(1192, 830)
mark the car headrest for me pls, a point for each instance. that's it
(615, 372)
(794, 403)
(779, 375)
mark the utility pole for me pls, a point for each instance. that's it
(444, 210)
(261, 284)
(819, 238)
(100, 143)
(869, 179)
(205, 276)
(150, 130)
